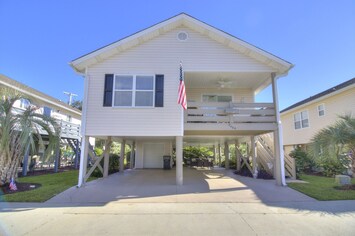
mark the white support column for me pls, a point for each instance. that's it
(226, 155)
(107, 156)
(131, 159)
(122, 155)
(83, 160)
(219, 155)
(237, 156)
(278, 143)
(179, 164)
(253, 154)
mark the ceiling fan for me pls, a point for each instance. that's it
(223, 83)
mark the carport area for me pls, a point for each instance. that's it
(201, 185)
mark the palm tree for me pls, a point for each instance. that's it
(337, 139)
(18, 130)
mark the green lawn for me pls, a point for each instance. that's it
(52, 184)
(322, 188)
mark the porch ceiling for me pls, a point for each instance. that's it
(251, 80)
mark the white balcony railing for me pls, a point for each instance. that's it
(230, 114)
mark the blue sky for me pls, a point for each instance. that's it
(39, 38)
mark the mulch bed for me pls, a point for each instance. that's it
(346, 187)
(21, 187)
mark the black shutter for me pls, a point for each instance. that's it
(159, 90)
(108, 90)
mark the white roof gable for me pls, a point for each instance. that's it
(281, 66)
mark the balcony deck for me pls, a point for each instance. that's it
(228, 118)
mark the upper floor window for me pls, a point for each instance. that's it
(216, 98)
(133, 91)
(321, 110)
(47, 111)
(24, 103)
(301, 120)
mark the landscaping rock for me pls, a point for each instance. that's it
(342, 179)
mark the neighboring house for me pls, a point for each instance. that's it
(67, 117)
(131, 93)
(302, 120)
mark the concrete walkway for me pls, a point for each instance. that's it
(210, 203)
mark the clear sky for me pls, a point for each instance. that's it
(38, 38)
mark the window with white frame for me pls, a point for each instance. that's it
(133, 91)
(24, 103)
(216, 98)
(321, 110)
(301, 120)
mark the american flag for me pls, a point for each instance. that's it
(182, 92)
(12, 185)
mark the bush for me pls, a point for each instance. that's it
(113, 166)
(332, 166)
(304, 162)
(244, 171)
(262, 174)
(232, 164)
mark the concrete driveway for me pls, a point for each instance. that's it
(200, 185)
(147, 202)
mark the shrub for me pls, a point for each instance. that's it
(232, 164)
(244, 171)
(263, 174)
(332, 166)
(304, 162)
(113, 166)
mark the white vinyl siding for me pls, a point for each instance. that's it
(161, 55)
(321, 110)
(335, 105)
(301, 120)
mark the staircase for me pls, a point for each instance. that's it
(74, 144)
(265, 150)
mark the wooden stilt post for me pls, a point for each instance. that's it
(226, 155)
(83, 160)
(253, 154)
(219, 155)
(77, 154)
(122, 155)
(107, 156)
(57, 157)
(214, 155)
(25, 160)
(131, 159)
(237, 156)
(179, 163)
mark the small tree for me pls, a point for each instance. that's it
(332, 142)
(18, 129)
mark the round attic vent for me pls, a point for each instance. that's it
(182, 36)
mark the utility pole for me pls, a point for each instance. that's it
(70, 95)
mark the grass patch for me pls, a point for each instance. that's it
(322, 188)
(52, 184)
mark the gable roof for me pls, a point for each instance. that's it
(281, 66)
(331, 91)
(39, 96)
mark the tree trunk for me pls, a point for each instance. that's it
(353, 165)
